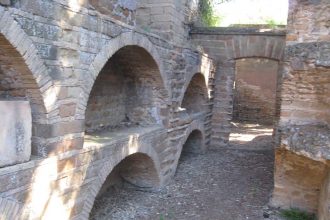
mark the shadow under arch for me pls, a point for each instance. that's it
(193, 143)
(127, 92)
(134, 171)
(140, 169)
(114, 45)
(196, 94)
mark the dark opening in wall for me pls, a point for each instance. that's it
(194, 143)
(128, 92)
(255, 90)
(11, 84)
(137, 171)
(196, 95)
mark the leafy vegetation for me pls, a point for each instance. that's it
(272, 23)
(296, 214)
(207, 13)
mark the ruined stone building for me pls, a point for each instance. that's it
(90, 88)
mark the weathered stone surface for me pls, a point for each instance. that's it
(303, 127)
(87, 63)
(324, 203)
(298, 181)
(4, 2)
(15, 132)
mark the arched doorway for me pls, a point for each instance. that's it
(255, 90)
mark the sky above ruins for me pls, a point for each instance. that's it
(252, 12)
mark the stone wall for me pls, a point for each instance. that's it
(255, 90)
(69, 59)
(168, 18)
(225, 46)
(122, 10)
(303, 126)
(298, 181)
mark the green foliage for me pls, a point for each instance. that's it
(296, 214)
(207, 14)
(272, 23)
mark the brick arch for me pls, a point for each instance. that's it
(108, 167)
(123, 40)
(238, 47)
(23, 55)
(257, 47)
(195, 125)
(189, 132)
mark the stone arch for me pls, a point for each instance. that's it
(196, 95)
(25, 77)
(247, 46)
(125, 39)
(22, 53)
(128, 92)
(145, 152)
(257, 46)
(193, 142)
(131, 64)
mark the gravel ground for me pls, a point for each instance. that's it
(231, 183)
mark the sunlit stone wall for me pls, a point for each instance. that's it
(304, 127)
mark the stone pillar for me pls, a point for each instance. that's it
(223, 103)
(167, 18)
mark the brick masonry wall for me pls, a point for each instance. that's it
(255, 90)
(168, 18)
(303, 126)
(59, 50)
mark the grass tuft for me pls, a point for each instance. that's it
(296, 214)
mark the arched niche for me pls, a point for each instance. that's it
(137, 170)
(196, 95)
(128, 92)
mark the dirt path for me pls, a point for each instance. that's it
(230, 183)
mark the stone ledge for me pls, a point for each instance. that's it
(312, 141)
(237, 31)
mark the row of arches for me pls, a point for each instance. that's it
(130, 89)
(139, 171)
